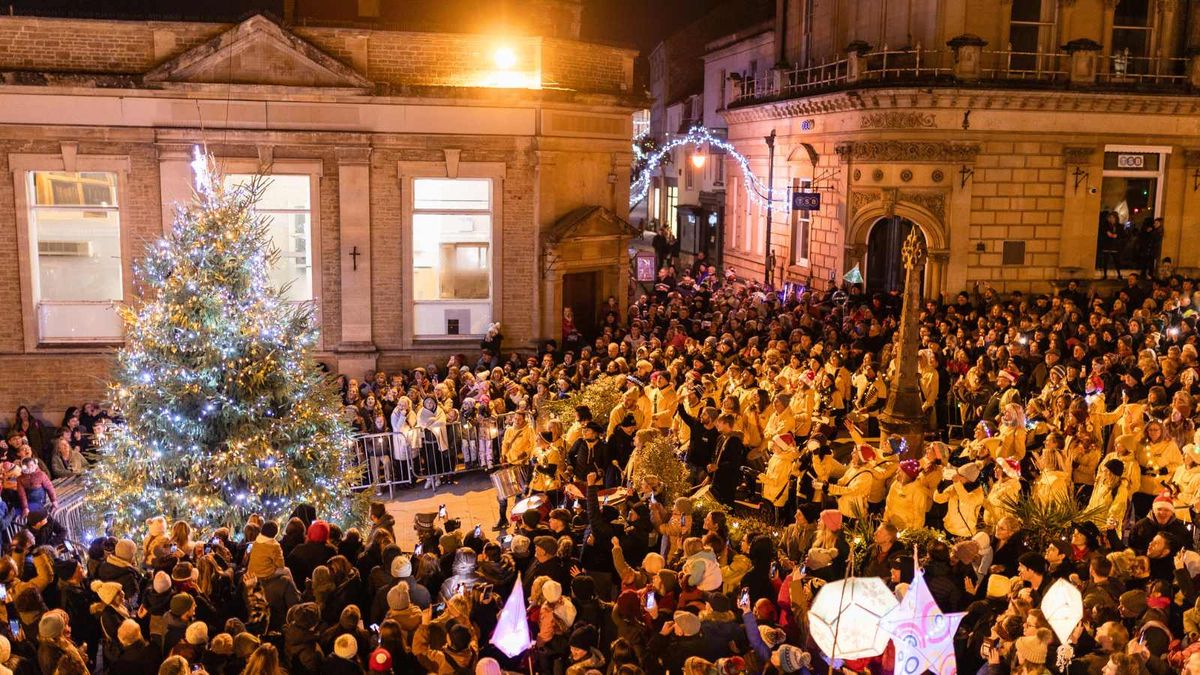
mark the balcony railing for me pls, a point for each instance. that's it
(933, 66)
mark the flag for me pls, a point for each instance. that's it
(854, 276)
(512, 628)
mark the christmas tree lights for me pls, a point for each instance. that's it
(227, 412)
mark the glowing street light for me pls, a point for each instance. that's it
(504, 58)
(698, 159)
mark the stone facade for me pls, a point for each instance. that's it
(1003, 157)
(362, 113)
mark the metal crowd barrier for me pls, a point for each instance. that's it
(404, 458)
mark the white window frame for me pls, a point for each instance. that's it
(1163, 152)
(21, 166)
(407, 172)
(312, 233)
(801, 220)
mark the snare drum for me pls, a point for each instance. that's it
(537, 503)
(510, 480)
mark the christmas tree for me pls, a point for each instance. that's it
(227, 412)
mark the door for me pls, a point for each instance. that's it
(885, 263)
(580, 292)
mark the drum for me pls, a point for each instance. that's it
(510, 480)
(537, 503)
(612, 496)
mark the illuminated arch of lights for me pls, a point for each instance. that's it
(699, 137)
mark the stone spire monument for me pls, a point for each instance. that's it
(902, 415)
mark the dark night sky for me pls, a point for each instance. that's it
(641, 23)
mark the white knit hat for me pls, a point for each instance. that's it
(345, 646)
(197, 633)
(401, 567)
(162, 582)
(552, 590)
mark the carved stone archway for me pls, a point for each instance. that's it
(925, 208)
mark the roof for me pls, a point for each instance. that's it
(587, 222)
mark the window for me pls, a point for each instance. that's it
(451, 256)
(1131, 37)
(1031, 33)
(689, 171)
(75, 232)
(721, 91)
(286, 204)
(801, 223)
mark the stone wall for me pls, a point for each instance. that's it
(393, 57)
(1017, 196)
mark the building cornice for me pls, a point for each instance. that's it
(876, 102)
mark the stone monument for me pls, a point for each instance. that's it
(902, 415)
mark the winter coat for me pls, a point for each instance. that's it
(906, 504)
(302, 651)
(306, 557)
(336, 665)
(266, 558)
(464, 575)
(128, 577)
(137, 659)
(594, 659)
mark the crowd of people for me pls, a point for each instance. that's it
(1074, 405)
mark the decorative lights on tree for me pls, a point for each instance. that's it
(698, 137)
(227, 412)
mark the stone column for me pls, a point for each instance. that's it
(1065, 9)
(174, 180)
(1166, 42)
(1106, 29)
(936, 275)
(1077, 243)
(356, 352)
(1188, 259)
(902, 415)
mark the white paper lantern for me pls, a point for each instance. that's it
(844, 618)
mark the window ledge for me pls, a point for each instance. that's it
(79, 346)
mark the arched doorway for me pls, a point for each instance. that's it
(884, 263)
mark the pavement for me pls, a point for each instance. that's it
(472, 500)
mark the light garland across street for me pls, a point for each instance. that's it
(699, 137)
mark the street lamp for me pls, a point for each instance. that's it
(768, 260)
(504, 58)
(698, 160)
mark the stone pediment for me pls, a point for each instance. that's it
(588, 222)
(256, 53)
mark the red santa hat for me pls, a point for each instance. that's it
(1010, 466)
(1010, 373)
(867, 452)
(784, 441)
(1164, 498)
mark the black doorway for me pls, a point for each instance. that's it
(579, 293)
(885, 264)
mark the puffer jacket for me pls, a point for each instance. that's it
(709, 578)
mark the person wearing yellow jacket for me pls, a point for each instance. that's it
(631, 404)
(1111, 495)
(663, 401)
(515, 448)
(780, 469)
(1003, 491)
(548, 463)
(1157, 456)
(929, 383)
(907, 498)
(782, 420)
(854, 487)
(963, 498)
(1186, 482)
(1012, 432)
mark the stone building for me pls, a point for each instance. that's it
(424, 184)
(1003, 130)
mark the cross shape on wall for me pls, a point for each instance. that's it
(354, 255)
